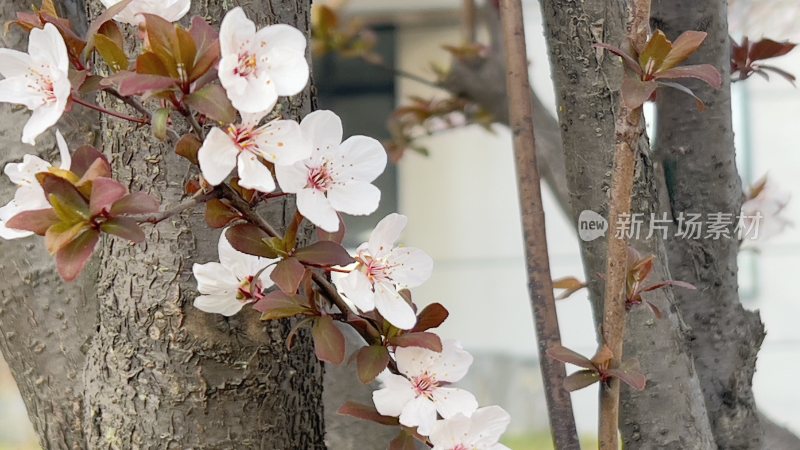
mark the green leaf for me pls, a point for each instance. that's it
(248, 238)
(365, 412)
(654, 53)
(580, 379)
(107, 15)
(324, 253)
(371, 361)
(148, 63)
(123, 227)
(70, 204)
(159, 123)
(211, 101)
(72, 258)
(329, 343)
(61, 234)
(114, 56)
(288, 275)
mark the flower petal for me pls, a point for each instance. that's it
(46, 45)
(215, 279)
(15, 90)
(356, 287)
(236, 29)
(410, 266)
(217, 156)
(14, 63)
(315, 207)
(452, 401)
(41, 119)
(282, 142)
(414, 361)
(393, 307)
(357, 198)
(420, 413)
(448, 434)
(8, 211)
(257, 95)
(253, 174)
(385, 234)
(24, 173)
(323, 129)
(285, 48)
(488, 424)
(292, 178)
(226, 305)
(395, 393)
(63, 151)
(452, 363)
(359, 158)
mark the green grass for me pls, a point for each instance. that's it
(541, 441)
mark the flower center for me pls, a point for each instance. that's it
(248, 293)
(376, 270)
(42, 84)
(424, 385)
(319, 178)
(247, 64)
(245, 138)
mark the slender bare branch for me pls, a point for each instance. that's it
(559, 404)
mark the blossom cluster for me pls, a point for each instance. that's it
(226, 86)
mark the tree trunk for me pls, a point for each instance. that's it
(669, 413)
(133, 364)
(701, 177)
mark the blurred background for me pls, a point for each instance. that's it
(465, 188)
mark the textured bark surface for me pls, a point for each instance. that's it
(669, 413)
(701, 177)
(45, 324)
(136, 366)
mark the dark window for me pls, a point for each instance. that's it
(363, 96)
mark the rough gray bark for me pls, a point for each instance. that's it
(136, 366)
(668, 414)
(701, 177)
(44, 323)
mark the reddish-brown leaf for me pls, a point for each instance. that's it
(105, 192)
(212, 101)
(629, 374)
(188, 146)
(37, 221)
(329, 343)
(123, 227)
(684, 46)
(135, 203)
(72, 258)
(636, 92)
(422, 339)
(371, 361)
(324, 253)
(580, 379)
(403, 441)
(704, 72)
(219, 214)
(430, 317)
(365, 412)
(288, 274)
(248, 238)
(565, 355)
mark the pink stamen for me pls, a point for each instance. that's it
(247, 64)
(424, 385)
(319, 178)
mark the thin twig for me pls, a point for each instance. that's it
(404, 74)
(118, 115)
(559, 404)
(627, 131)
(130, 101)
(197, 199)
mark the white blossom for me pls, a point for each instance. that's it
(762, 214)
(258, 66)
(226, 286)
(37, 79)
(480, 431)
(338, 176)
(421, 391)
(29, 195)
(382, 269)
(279, 142)
(169, 10)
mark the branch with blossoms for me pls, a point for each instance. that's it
(223, 86)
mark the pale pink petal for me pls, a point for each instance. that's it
(14, 63)
(386, 233)
(292, 178)
(41, 119)
(253, 174)
(359, 158)
(214, 278)
(15, 90)
(447, 434)
(452, 401)
(8, 211)
(452, 363)
(236, 29)
(356, 198)
(282, 142)
(410, 266)
(356, 287)
(393, 307)
(63, 151)
(218, 304)
(395, 393)
(323, 129)
(414, 361)
(217, 156)
(24, 173)
(256, 95)
(420, 413)
(45, 45)
(315, 207)
(488, 424)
